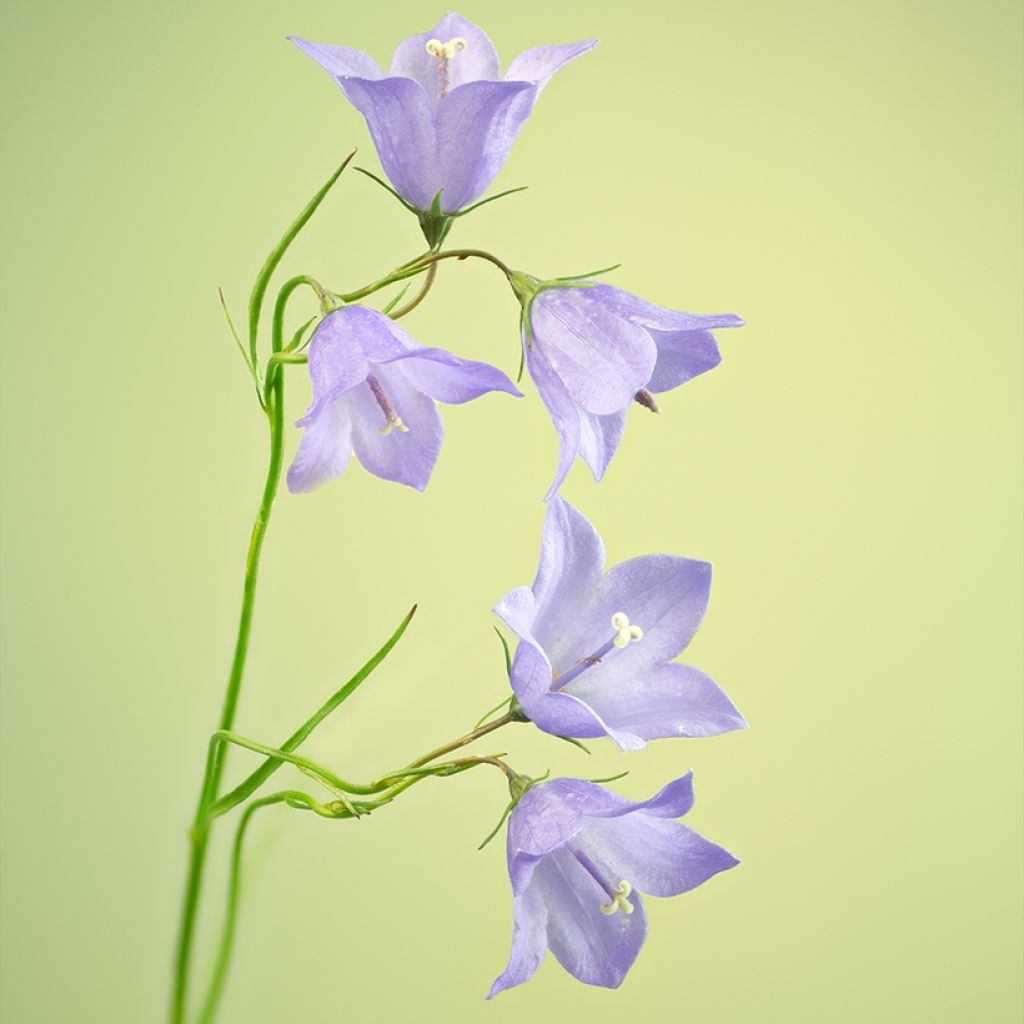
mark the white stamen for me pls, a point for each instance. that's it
(620, 899)
(444, 53)
(624, 632)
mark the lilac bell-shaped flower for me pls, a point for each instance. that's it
(444, 118)
(596, 648)
(374, 390)
(594, 350)
(579, 856)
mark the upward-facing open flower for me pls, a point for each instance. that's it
(443, 118)
(579, 856)
(594, 350)
(374, 389)
(595, 648)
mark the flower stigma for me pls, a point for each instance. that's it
(620, 899)
(625, 634)
(392, 421)
(444, 53)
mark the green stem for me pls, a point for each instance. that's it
(418, 266)
(303, 801)
(290, 797)
(215, 760)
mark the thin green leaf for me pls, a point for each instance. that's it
(397, 299)
(253, 373)
(259, 289)
(249, 785)
(491, 199)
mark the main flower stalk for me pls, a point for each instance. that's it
(215, 765)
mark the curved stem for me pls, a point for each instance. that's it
(483, 730)
(215, 760)
(428, 283)
(424, 263)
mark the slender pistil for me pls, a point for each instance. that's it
(392, 421)
(625, 634)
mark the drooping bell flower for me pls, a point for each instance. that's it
(374, 390)
(444, 118)
(595, 648)
(594, 350)
(579, 856)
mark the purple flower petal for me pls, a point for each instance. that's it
(657, 855)
(479, 59)
(340, 61)
(324, 450)
(529, 941)
(477, 125)
(571, 563)
(563, 412)
(540, 63)
(594, 947)
(401, 121)
(665, 595)
(647, 314)
(682, 355)
(447, 378)
(600, 437)
(601, 358)
(662, 701)
(407, 457)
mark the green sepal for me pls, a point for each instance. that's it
(610, 778)
(574, 742)
(435, 224)
(491, 199)
(384, 185)
(593, 273)
(508, 653)
(520, 785)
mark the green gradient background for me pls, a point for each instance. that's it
(845, 175)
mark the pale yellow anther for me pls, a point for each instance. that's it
(620, 899)
(395, 424)
(624, 632)
(446, 51)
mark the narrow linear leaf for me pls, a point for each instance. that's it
(259, 289)
(253, 373)
(611, 778)
(256, 779)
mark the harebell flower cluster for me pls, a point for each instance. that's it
(597, 648)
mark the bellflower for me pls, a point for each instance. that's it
(443, 119)
(595, 647)
(374, 390)
(579, 856)
(593, 350)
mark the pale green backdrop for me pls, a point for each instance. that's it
(844, 175)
